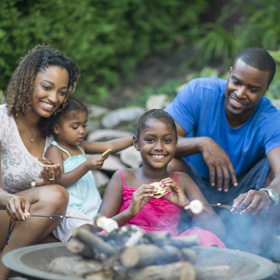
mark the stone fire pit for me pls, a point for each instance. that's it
(32, 261)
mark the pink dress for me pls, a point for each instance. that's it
(162, 215)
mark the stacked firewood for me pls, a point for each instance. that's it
(130, 253)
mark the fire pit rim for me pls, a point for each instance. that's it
(13, 257)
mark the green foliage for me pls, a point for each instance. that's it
(241, 24)
(106, 38)
(171, 87)
(1, 96)
(274, 89)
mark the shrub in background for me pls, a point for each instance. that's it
(106, 38)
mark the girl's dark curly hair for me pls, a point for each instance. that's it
(73, 105)
(20, 88)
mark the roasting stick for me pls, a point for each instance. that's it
(220, 205)
(197, 207)
(100, 221)
(28, 215)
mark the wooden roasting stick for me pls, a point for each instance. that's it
(28, 215)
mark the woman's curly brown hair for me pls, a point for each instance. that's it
(20, 89)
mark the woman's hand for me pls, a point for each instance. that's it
(16, 208)
(49, 175)
(140, 198)
(177, 195)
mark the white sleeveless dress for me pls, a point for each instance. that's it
(19, 169)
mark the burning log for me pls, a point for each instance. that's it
(140, 255)
(78, 267)
(130, 253)
(100, 276)
(94, 242)
(189, 255)
(219, 272)
(159, 238)
(184, 241)
(76, 246)
(126, 236)
(169, 254)
(174, 271)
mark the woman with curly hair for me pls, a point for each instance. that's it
(39, 87)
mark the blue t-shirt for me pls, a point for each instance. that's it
(199, 109)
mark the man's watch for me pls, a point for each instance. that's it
(273, 195)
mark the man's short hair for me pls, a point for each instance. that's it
(258, 58)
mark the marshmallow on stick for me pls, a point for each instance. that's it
(195, 206)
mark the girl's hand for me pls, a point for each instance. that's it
(49, 175)
(16, 208)
(95, 163)
(140, 198)
(177, 195)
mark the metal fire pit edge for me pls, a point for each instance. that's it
(28, 261)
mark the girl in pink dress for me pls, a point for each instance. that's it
(129, 198)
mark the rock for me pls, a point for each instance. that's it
(107, 134)
(159, 101)
(131, 157)
(101, 178)
(92, 126)
(96, 111)
(122, 116)
(276, 103)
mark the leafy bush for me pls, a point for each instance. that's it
(274, 89)
(171, 87)
(106, 38)
(241, 24)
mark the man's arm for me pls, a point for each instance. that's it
(214, 156)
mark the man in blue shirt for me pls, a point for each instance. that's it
(230, 145)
